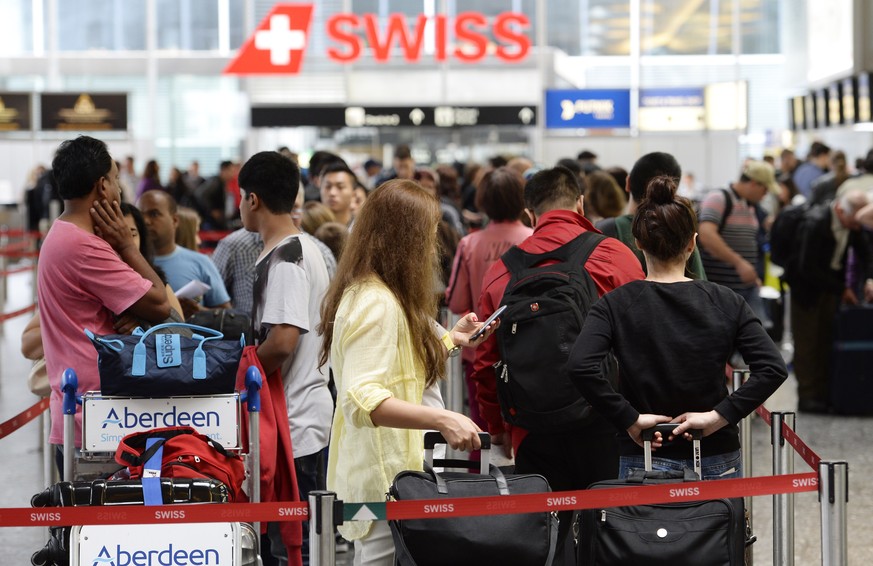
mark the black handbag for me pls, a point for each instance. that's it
(151, 363)
(232, 323)
(526, 539)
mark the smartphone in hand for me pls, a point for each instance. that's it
(484, 326)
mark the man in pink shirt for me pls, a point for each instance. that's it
(90, 270)
(501, 197)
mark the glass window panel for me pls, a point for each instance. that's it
(678, 27)
(591, 27)
(16, 29)
(759, 26)
(112, 25)
(237, 21)
(189, 25)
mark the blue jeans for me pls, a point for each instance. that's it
(753, 298)
(310, 477)
(718, 467)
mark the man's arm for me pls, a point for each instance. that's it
(715, 245)
(279, 346)
(109, 225)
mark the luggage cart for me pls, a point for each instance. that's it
(105, 420)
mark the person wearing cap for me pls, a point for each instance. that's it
(729, 233)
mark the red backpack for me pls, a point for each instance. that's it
(187, 454)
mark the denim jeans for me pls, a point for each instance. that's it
(718, 467)
(310, 477)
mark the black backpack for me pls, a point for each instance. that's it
(546, 307)
(784, 238)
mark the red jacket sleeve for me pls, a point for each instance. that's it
(487, 353)
(612, 264)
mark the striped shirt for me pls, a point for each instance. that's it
(739, 233)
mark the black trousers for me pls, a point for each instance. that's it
(570, 461)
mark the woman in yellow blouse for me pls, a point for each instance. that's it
(381, 341)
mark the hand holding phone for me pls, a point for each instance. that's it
(485, 325)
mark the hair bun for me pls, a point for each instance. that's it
(661, 190)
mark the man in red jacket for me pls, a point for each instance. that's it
(569, 461)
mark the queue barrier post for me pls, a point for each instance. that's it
(323, 515)
(253, 384)
(739, 377)
(833, 494)
(69, 386)
(783, 503)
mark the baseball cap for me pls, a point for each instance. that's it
(763, 173)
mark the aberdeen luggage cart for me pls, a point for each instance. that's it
(664, 534)
(526, 539)
(107, 419)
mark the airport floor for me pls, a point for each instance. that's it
(832, 437)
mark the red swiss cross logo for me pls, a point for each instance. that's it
(534, 307)
(278, 45)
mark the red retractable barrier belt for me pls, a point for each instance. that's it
(23, 418)
(19, 312)
(17, 270)
(805, 452)
(425, 509)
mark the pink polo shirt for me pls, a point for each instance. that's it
(82, 283)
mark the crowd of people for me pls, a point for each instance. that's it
(341, 272)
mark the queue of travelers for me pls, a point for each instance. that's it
(342, 272)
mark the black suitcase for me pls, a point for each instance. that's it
(113, 492)
(852, 360)
(526, 539)
(703, 533)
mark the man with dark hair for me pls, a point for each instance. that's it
(211, 197)
(815, 166)
(553, 200)
(180, 264)
(317, 163)
(863, 182)
(587, 161)
(338, 190)
(90, 270)
(290, 282)
(403, 166)
(646, 168)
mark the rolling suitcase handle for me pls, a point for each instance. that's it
(666, 429)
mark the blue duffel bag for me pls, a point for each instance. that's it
(158, 363)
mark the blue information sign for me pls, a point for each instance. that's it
(588, 108)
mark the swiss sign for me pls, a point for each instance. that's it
(278, 45)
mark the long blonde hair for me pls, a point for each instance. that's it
(394, 239)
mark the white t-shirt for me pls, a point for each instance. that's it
(290, 282)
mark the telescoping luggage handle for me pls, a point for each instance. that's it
(138, 368)
(432, 438)
(666, 429)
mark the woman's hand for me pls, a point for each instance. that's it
(467, 326)
(647, 421)
(708, 422)
(460, 432)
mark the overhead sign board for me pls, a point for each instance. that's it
(592, 109)
(83, 111)
(280, 42)
(671, 110)
(392, 116)
(14, 112)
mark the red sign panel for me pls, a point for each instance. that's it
(279, 43)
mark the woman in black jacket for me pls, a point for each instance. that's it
(672, 337)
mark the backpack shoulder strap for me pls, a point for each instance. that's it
(728, 208)
(575, 252)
